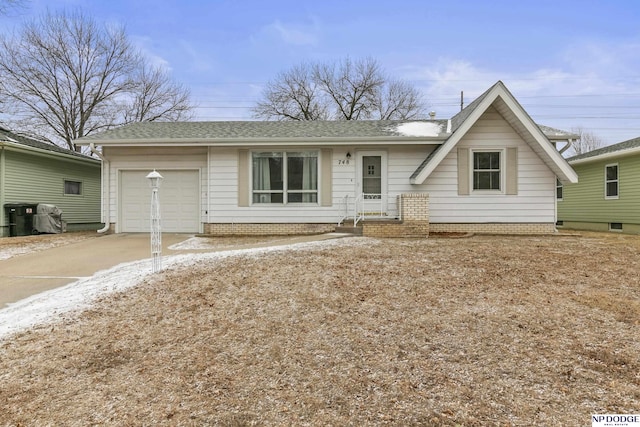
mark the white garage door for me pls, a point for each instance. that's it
(179, 201)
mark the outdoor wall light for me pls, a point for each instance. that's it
(348, 155)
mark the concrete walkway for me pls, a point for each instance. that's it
(29, 274)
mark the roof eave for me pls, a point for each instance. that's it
(53, 154)
(233, 142)
(606, 156)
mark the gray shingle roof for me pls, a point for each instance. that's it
(625, 145)
(247, 130)
(8, 136)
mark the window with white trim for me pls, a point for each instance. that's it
(283, 177)
(72, 188)
(487, 170)
(559, 189)
(611, 181)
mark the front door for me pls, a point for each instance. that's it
(372, 182)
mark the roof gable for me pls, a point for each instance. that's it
(500, 98)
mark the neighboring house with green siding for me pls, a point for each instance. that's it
(607, 195)
(36, 172)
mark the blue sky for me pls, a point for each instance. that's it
(570, 63)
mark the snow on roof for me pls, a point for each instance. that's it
(419, 129)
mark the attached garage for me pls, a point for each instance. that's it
(179, 196)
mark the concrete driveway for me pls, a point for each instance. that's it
(32, 273)
(29, 274)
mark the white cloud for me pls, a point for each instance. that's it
(145, 45)
(295, 34)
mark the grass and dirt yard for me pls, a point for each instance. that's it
(476, 331)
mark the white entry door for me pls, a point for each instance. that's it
(179, 196)
(372, 181)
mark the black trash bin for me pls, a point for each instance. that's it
(20, 218)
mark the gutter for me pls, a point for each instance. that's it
(104, 188)
(605, 156)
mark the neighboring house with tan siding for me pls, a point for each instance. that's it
(490, 168)
(607, 198)
(33, 171)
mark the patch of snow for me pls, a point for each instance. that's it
(419, 129)
(10, 252)
(49, 306)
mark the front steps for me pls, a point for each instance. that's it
(382, 227)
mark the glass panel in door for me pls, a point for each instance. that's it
(372, 177)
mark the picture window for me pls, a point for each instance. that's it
(285, 177)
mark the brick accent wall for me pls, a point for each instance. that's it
(513, 228)
(414, 219)
(266, 229)
(414, 207)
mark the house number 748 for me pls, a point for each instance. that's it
(343, 162)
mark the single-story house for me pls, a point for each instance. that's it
(607, 198)
(36, 172)
(489, 168)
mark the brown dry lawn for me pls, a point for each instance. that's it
(476, 331)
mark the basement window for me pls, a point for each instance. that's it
(615, 226)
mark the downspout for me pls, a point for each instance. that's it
(104, 187)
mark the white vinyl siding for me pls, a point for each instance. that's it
(166, 159)
(528, 198)
(534, 201)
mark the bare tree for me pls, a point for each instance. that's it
(65, 77)
(157, 98)
(399, 101)
(6, 6)
(587, 141)
(293, 95)
(346, 90)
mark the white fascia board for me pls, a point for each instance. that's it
(455, 138)
(569, 175)
(259, 142)
(606, 156)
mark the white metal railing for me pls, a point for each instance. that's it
(367, 205)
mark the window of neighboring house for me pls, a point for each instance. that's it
(615, 226)
(285, 177)
(611, 181)
(487, 170)
(559, 189)
(72, 188)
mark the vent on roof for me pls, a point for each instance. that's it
(432, 115)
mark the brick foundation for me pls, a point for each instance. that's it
(395, 228)
(513, 228)
(414, 219)
(266, 229)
